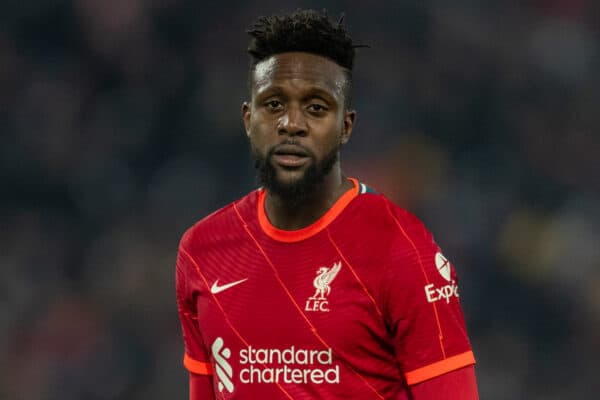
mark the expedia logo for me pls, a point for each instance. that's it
(446, 292)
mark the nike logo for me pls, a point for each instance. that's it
(215, 288)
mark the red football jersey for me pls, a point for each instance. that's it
(359, 305)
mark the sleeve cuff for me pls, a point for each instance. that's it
(197, 367)
(439, 368)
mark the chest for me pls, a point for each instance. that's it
(308, 295)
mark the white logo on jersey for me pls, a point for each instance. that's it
(434, 294)
(318, 301)
(222, 367)
(215, 288)
(443, 265)
(290, 365)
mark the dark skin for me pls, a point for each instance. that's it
(298, 109)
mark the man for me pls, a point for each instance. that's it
(314, 286)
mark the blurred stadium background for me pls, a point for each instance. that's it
(120, 127)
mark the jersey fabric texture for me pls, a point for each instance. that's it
(359, 305)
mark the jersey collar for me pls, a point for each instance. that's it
(311, 230)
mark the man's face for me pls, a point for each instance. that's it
(296, 121)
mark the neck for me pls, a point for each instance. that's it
(287, 214)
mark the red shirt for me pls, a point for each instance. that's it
(360, 304)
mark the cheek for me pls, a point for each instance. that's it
(260, 127)
(335, 129)
(328, 143)
(259, 138)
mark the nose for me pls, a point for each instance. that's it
(292, 122)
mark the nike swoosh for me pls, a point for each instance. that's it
(218, 289)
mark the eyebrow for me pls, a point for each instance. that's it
(318, 92)
(311, 92)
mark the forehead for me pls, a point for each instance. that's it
(299, 69)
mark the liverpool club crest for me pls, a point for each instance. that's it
(322, 282)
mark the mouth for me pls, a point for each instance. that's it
(290, 156)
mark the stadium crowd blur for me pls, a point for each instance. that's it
(120, 127)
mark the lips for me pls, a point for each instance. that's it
(290, 149)
(290, 156)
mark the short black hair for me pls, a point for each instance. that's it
(307, 31)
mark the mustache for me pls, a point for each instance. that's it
(290, 147)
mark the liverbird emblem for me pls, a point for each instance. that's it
(324, 277)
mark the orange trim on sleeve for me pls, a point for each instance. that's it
(197, 367)
(314, 228)
(439, 368)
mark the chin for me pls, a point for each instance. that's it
(290, 178)
(292, 185)
(289, 182)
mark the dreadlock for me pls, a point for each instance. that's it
(304, 31)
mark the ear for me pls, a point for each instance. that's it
(246, 114)
(349, 118)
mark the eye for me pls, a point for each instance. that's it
(317, 108)
(273, 105)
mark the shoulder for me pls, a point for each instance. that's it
(219, 221)
(382, 214)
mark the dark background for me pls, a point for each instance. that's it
(120, 127)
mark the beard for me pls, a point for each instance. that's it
(299, 189)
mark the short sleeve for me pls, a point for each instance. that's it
(195, 357)
(422, 305)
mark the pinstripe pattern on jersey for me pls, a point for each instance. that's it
(419, 258)
(311, 326)
(360, 282)
(227, 320)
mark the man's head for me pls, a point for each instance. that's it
(298, 116)
(306, 31)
